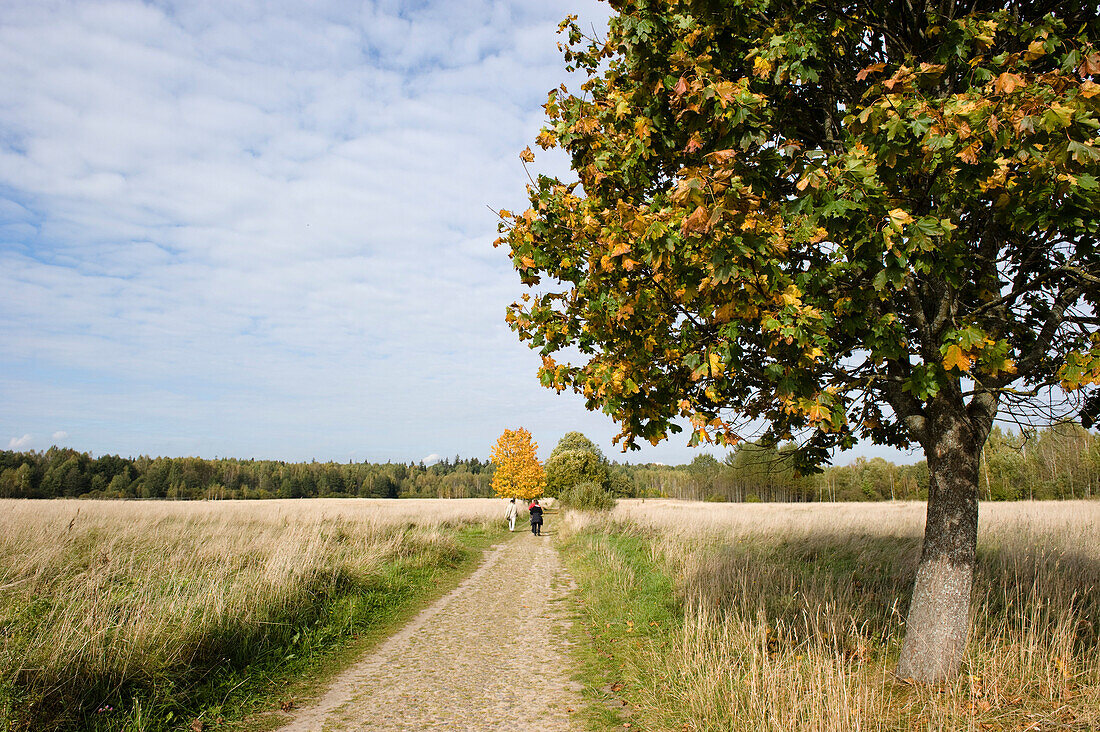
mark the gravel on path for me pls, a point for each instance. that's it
(493, 654)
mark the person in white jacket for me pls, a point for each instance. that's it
(511, 515)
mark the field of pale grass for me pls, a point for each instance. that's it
(792, 617)
(109, 601)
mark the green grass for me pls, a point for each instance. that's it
(628, 611)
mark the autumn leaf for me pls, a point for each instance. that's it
(545, 140)
(1091, 65)
(683, 190)
(956, 358)
(792, 295)
(899, 217)
(696, 223)
(1035, 50)
(969, 154)
(681, 87)
(722, 157)
(585, 125)
(869, 70)
(527, 156)
(1007, 82)
(726, 91)
(817, 413)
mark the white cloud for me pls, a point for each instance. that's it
(224, 226)
(59, 435)
(431, 459)
(19, 443)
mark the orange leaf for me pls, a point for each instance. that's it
(696, 222)
(969, 154)
(1007, 83)
(956, 358)
(527, 156)
(869, 70)
(721, 157)
(1091, 65)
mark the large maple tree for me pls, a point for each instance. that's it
(841, 219)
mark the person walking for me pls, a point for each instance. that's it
(536, 517)
(511, 515)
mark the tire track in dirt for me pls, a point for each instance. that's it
(490, 655)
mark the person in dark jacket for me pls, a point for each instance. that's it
(536, 517)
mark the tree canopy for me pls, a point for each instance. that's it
(820, 214)
(840, 219)
(518, 473)
(575, 459)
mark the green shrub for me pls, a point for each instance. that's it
(716, 498)
(589, 496)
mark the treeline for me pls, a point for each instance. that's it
(63, 472)
(1060, 462)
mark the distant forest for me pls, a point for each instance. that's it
(1060, 462)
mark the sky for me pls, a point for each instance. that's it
(265, 229)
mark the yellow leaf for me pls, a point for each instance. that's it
(527, 156)
(1035, 49)
(899, 217)
(792, 296)
(956, 358)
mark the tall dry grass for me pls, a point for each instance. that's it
(97, 598)
(794, 615)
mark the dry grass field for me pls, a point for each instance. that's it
(132, 601)
(790, 617)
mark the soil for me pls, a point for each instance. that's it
(493, 654)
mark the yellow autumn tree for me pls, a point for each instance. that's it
(518, 472)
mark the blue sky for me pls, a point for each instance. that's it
(264, 229)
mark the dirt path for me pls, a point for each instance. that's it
(490, 655)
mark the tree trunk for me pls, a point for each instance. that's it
(936, 631)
